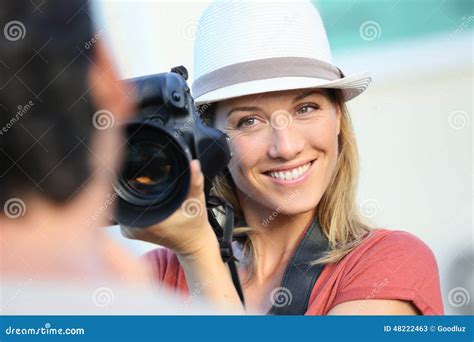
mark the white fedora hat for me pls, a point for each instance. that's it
(250, 47)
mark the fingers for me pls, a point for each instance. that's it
(197, 179)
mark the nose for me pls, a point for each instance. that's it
(287, 143)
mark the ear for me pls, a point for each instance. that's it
(107, 91)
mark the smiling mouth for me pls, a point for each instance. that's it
(292, 174)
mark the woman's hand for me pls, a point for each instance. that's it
(187, 231)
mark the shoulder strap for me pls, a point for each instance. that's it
(298, 281)
(224, 236)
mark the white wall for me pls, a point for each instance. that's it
(414, 130)
(150, 36)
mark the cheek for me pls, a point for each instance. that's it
(247, 152)
(329, 143)
(322, 136)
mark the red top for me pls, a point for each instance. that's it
(388, 264)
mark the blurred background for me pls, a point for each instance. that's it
(413, 125)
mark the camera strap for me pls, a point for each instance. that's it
(292, 297)
(225, 236)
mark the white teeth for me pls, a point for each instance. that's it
(292, 174)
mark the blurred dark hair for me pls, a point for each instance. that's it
(45, 108)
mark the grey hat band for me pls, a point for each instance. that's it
(264, 69)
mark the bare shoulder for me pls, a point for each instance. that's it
(375, 307)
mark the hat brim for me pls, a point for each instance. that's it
(350, 86)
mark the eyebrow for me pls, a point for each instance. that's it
(308, 93)
(297, 98)
(243, 109)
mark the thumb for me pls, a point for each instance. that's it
(197, 180)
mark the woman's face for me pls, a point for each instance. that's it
(285, 147)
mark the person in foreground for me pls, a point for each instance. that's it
(57, 164)
(268, 81)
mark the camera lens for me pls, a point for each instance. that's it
(155, 175)
(150, 169)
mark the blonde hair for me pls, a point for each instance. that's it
(337, 212)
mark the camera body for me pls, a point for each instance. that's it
(162, 139)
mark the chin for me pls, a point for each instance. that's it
(288, 206)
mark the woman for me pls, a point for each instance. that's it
(264, 75)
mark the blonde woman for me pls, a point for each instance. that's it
(264, 75)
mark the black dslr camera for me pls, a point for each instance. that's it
(162, 139)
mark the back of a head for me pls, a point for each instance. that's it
(45, 106)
